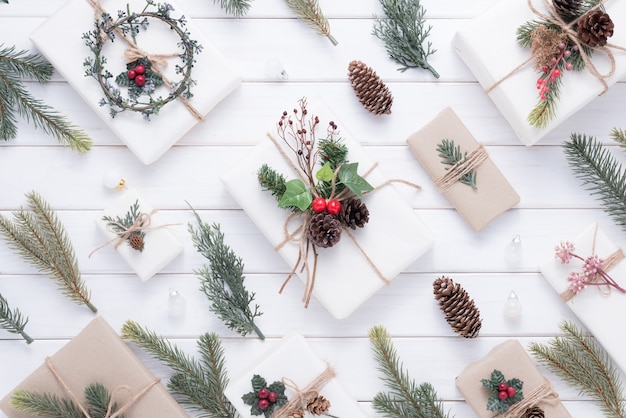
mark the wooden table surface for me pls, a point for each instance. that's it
(553, 204)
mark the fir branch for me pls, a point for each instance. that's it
(406, 398)
(545, 110)
(223, 284)
(237, 8)
(600, 173)
(14, 98)
(333, 151)
(12, 320)
(404, 33)
(452, 155)
(309, 11)
(272, 180)
(580, 362)
(40, 238)
(199, 385)
(619, 136)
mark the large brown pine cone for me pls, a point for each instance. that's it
(533, 412)
(136, 241)
(458, 307)
(594, 28)
(354, 213)
(567, 9)
(369, 88)
(324, 230)
(318, 405)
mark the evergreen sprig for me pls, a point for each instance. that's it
(198, 384)
(40, 238)
(223, 283)
(237, 8)
(12, 320)
(580, 362)
(600, 173)
(451, 154)
(404, 33)
(120, 224)
(16, 100)
(309, 11)
(619, 136)
(272, 180)
(405, 397)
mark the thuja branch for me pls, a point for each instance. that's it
(12, 320)
(237, 8)
(309, 11)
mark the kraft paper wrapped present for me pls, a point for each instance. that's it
(493, 194)
(60, 40)
(161, 246)
(98, 354)
(292, 358)
(393, 238)
(594, 304)
(511, 359)
(492, 54)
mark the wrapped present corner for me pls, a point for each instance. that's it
(292, 360)
(492, 194)
(511, 359)
(129, 218)
(494, 56)
(98, 355)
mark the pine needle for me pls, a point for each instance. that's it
(238, 8)
(580, 362)
(619, 136)
(309, 11)
(12, 320)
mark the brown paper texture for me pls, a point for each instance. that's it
(493, 195)
(98, 354)
(513, 361)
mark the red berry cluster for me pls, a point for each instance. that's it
(550, 74)
(266, 398)
(331, 206)
(505, 391)
(137, 75)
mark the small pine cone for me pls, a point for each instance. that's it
(369, 88)
(354, 213)
(324, 230)
(318, 405)
(296, 414)
(567, 9)
(460, 311)
(136, 241)
(533, 412)
(594, 28)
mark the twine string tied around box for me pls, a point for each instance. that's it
(303, 396)
(542, 393)
(474, 159)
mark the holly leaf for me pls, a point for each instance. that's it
(258, 382)
(349, 177)
(493, 403)
(325, 173)
(249, 398)
(296, 194)
(122, 80)
(497, 377)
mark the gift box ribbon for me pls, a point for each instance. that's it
(304, 395)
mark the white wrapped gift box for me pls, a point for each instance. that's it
(59, 39)
(161, 245)
(595, 308)
(393, 238)
(292, 358)
(488, 46)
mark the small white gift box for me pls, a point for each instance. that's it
(161, 245)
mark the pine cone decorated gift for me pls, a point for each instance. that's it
(458, 307)
(594, 28)
(567, 9)
(533, 412)
(324, 230)
(369, 88)
(354, 214)
(318, 405)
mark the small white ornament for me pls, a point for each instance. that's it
(512, 306)
(177, 305)
(513, 251)
(112, 179)
(274, 69)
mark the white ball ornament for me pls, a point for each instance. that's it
(513, 251)
(512, 306)
(177, 305)
(112, 179)
(274, 70)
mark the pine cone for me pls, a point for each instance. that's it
(369, 88)
(567, 9)
(354, 213)
(318, 405)
(460, 311)
(533, 412)
(136, 241)
(594, 28)
(324, 230)
(296, 414)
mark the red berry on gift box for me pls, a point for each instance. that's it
(333, 207)
(319, 204)
(131, 74)
(502, 386)
(502, 395)
(272, 397)
(511, 391)
(140, 80)
(263, 404)
(140, 69)
(263, 393)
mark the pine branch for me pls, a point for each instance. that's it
(309, 11)
(545, 110)
(404, 33)
(271, 180)
(22, 64)
(581, 363)
(40, 238)
(452, 155)
(600, 173)
(12, 320)
(333, 151)
(405, 397)
(223, 284)
(237, 8)
(619, 136)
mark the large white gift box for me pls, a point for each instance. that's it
(488, 46)
(393, 238)
(60, 40)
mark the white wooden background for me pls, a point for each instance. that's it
(553, 205)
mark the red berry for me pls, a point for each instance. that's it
(502, 395)
(333, 207)
(502, 386)
(511, 391)
(140, 69)
(140, 80)
(264, 404)
(131, 74)
(319, 204)
(272, 397)
(263, 393)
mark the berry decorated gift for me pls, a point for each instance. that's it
(506, 383)
(541, 61)
(325, 207)
(90, 373)
(290, 381)
(462, 169)
(589, 274)
(143, 67)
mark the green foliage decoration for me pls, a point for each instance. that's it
(238, 8)
(309, 11)
(451, 154)
(12, 320)
(252, 398)
(496, 404)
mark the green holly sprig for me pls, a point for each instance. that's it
(265, 399)
(504, 393)
(139, 78)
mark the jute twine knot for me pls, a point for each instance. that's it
(474, 159)
(302, 397)
(542, 393)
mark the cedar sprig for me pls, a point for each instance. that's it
(309, 11)
(272, 180)
(12, 320)
(451, 154)
(238, 8)
(40, 238)
(579, 361)
(16, 100)
(600, 173)
(223, 283)
(198, 384)
(405, 397)
(121, 224)
(405, 34)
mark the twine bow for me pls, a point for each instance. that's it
(474, 159)
(132, 399)
(302, 397)
(542, 393)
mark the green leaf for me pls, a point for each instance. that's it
(493, 403)
(249, 398)
(258, 382)
(349, 177)
(296, 194)
(325, 173)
